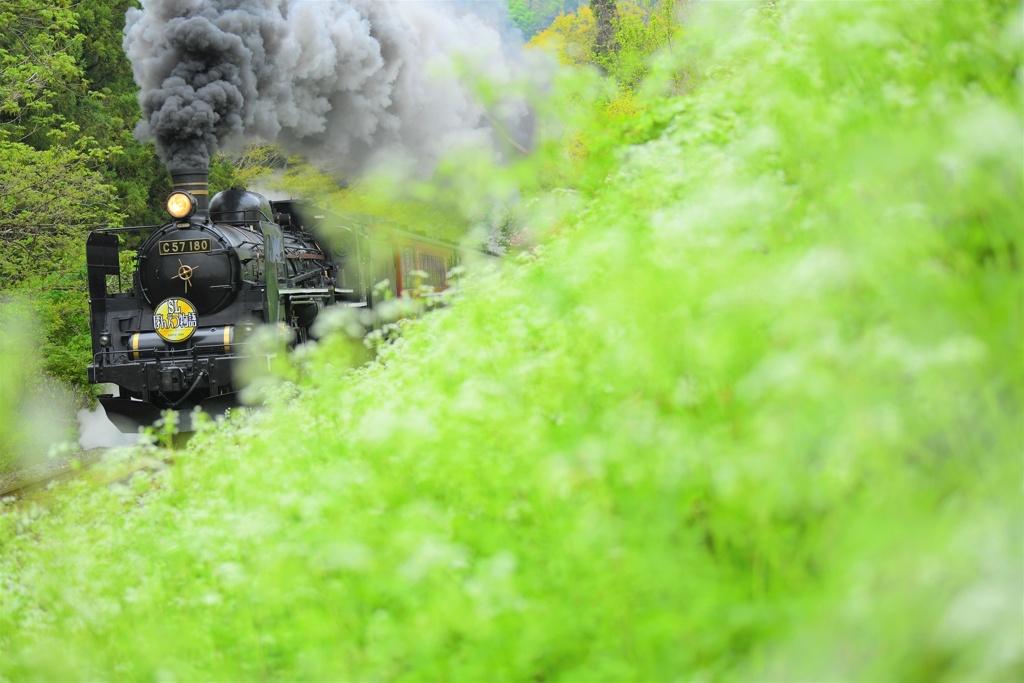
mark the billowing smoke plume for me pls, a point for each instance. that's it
(337, 80)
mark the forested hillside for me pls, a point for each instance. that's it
(742, 403)
(68, 160)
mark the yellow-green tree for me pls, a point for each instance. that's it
(570, 36)
(640, 29)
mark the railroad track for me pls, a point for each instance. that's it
(43, 476)
(40, 476)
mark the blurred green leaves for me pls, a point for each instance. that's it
(36, 410)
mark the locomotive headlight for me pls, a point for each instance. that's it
(181, 204)
(104, 339)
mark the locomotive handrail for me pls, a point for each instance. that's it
(191, 353)
(129, 228)
(263, 217)
(314, 291)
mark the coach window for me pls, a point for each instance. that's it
(408, 261)
(435, 270)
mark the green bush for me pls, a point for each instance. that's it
(37, 408)
(752, 414)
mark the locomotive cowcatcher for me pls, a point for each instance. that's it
(169, 338)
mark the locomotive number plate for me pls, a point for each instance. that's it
(168, 247)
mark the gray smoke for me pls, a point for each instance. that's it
(334, 80)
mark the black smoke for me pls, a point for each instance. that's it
(335, 80)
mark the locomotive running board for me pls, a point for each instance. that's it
(129, 416)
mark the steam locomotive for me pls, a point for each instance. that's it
(169, 337)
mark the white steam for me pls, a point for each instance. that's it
(95, 430)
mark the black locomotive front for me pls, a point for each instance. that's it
(200, 283)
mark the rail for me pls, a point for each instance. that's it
(41, 477)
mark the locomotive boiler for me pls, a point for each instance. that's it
(169, 336)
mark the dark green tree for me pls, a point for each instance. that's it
(533, 16)
(39, 75)
(111, 112)
(605, 16)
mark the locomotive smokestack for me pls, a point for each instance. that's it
(197, 183)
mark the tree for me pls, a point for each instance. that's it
(48, 200)
(38, 71)
(54, 172)
(618, 36)
(50, 180)
(570, 36)
(641, 29)
(110, 113)
(40, 227)
(605, 43)
(532, 16)
(522, 16)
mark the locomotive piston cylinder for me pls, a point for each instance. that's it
(305, 312)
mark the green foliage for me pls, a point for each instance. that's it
(751, 412)
(646, 48)
(530, 16)
(37, 410)
(38, 47)
(570, 36)
(17, 370)
(605, 18)
(64, 324)
(423, 211)
(266, 168)
(65, 82)
(68, 162)
(102, 58)
(522, 16)
(640, 30)
(111, 111)
(43, 232)
(42, 228)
